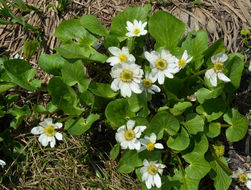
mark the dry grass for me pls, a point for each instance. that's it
(73, 164)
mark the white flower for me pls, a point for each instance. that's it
(127, 78)
(149, 143)
(184, 60)
(150, 173)
(2, 163)
(47, 132)
(136, 28)
(211, 74)
(17, 56)
(119, 56)
(243, 176)
(249, 67)
(147, 84)
(128, 136)
(162, 65)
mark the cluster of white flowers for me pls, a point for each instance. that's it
(47, 132)
(129, 138)
(128, 76)
(243, 176)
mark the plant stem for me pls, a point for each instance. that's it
(183, 173)
(197, 74)
(222, 165)
(225, 125)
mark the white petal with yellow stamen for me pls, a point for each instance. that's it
(151, 172)
(149, 143)
(119, 56)
(127, 135)
(162, 64)
(243, 176)
(127, 78)
(47, 132)
(137, 28)
(148, 84)
(217, 71)
(184, 60)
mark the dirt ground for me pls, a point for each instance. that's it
(221, 18)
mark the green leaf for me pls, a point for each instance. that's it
(164, 121)
(221, 178)
(64, 96)
(77, 42)
(87, 98)
(194, 123)
(20, 113)
(102, 89)
(239, 125)
(79, 126)
(180, 107)
(129, 161)
(117, 112)
(72, 29)
(196, 43)
(21, 73)
(213, 130)
(74, 73)
(52, 64)
(115, 151)
(118, 26)
(51, 108)
(30, 48)
(234, 65)
(166, 29)
(204, 94)
(212, 112)
(39, 108)
(180, 141)
(138, 103)
(4, 86)
(198, 167)
(92, 24)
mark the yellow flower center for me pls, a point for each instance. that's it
(161, 64)
(181, 62)
(150, 146)
(122, 58)
(243, 178)
(49, 130)
(218, 67)
(136, 31)
(129, 135)
(147, 83)
(126, 76)
(152, 169)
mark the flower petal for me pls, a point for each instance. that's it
(157, 180)
(37, 130)
(223, 77)
(130, 124)
(59, 136)
(114, 51)
(158, 146)
(52, 142)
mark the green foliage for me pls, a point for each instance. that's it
(30, 48)
(117, 112)
(64, 96)
(187, 128)
(21, 73)
(166, 30)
